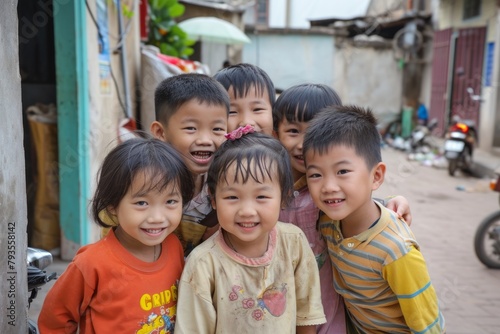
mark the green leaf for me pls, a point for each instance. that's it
(127, 12)
(161, 3)
(176, 10)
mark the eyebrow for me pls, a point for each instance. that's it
(335, 164)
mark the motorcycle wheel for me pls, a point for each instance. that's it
(487, 241)
(467, 160)
(452, 166)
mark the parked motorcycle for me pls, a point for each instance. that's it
(37, 261)
(487, 239)
(459, 146)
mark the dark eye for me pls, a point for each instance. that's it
(294, 131)
(172, 201)
(141, 203)
(343, 171)
(314, 176)
(232, 112)
(190, 128)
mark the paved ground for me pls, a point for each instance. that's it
(444, 222)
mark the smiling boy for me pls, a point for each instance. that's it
(191, 114)
(378, 267)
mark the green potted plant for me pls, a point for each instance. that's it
(164, 32)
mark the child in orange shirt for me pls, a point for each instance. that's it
(128, 280)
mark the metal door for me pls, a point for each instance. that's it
(440, 64)
(467, 73)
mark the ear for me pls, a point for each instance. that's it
(158, 131)
(111, 210)
(378, 173)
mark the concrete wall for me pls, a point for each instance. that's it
(104, 108)
(368, 76)
(292, 58)
(13, 243)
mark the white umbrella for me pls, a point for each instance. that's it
(212, 29)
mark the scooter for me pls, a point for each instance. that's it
(487, 239)
(459, 146)
(37, 261)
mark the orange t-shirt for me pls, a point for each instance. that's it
(106, 289)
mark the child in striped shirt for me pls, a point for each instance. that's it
(378, 268)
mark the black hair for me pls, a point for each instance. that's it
(351, 126)
(255, 155)
(173, 92)
(242, 77)
(154, 157)
(302, 102)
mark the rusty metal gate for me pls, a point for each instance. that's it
(440, 63)
(468, 73)
(466, 55)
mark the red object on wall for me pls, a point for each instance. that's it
(143, 19)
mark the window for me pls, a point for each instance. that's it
(261, 12)
(472, 8)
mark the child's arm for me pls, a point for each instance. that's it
(195, 309)
(62, 306)
(409, 279)
(309, 308)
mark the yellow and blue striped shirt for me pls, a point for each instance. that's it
(383, 277)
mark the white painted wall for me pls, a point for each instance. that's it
(292, 58)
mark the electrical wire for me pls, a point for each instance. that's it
(99, 33)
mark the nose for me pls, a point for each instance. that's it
(301, 142)
(329, 185)
(204, 138)
(156, 215)
(246, 210)
(246, 118)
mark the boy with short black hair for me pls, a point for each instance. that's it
(191, 114)
(252, 96)
(378, 267)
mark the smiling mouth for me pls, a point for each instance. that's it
(334, 201)
(202, 155)
(247, 225)
(299, 157)
(153, 230)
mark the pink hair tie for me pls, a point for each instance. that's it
(239, 132)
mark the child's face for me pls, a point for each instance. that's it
(248, 211)
(291, 135)
(340, 182)
(147, 217)
(254, 109)
(196, 131)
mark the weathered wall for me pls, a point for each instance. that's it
(368, 76)
(13, 243)
(104, 108)
(293, 58)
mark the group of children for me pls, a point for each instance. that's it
(238, 162)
